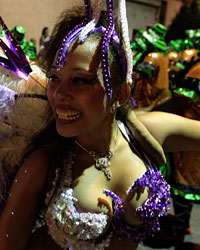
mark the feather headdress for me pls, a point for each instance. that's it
(89, 25)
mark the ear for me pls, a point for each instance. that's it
(124, 93)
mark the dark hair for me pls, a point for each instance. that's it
(44, 30)
(66, 22)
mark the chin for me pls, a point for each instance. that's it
(66, 132)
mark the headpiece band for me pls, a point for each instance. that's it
(16, 60)
(88, 26)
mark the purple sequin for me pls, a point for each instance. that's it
(159, 193)
(156, 206)
(61, 58)
(118, 203)
(104, 51)
(118, 46)
(72, 35)
(132, 103)
(17, 61)
(7, 98)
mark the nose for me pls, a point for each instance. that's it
(63, 91)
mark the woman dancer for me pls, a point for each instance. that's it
(93, 181)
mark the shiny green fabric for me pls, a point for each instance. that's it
(188, 93)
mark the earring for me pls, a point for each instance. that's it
(114, 107)
(117, 104)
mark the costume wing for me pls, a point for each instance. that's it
(24, 111)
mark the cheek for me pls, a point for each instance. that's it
(93, 104)
(50, 94)
(100, 105)
(50, 90)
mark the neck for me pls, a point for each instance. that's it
(101, 142)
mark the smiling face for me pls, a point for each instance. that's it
(76, 94)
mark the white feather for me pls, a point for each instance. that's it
(122, 20)
(91, 25)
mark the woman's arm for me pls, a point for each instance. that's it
(173, 132)
(147, 141)
(24, 202)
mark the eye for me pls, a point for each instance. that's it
(52, 79)
(81, 80)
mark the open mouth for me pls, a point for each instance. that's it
(68, 115)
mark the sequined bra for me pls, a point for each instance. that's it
(77, 230)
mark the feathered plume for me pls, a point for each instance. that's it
(91, 25)
(122, 20)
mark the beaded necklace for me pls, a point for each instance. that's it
(101, 162)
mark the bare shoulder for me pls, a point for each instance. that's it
(36, 167)
(24, 201)
(39, 156)
(31, 176)
(143, 129)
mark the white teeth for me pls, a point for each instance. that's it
(69, 115)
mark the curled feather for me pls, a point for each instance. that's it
(91, 25)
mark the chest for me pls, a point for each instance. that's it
(126, 168)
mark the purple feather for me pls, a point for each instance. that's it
(17, 61)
